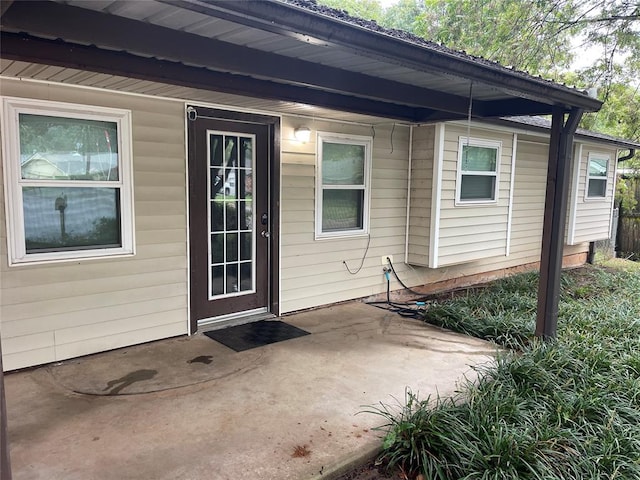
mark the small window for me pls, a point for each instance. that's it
(478, 165)
(68, 179)
(343, 185)
(598, 168)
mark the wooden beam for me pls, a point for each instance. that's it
(555, 213)
(54, 52)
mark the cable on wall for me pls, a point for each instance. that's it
(344, 262)
(393, 128)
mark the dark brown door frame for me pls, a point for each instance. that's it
(273, 124)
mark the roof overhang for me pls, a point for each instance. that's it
(537, 124)
(275, 50)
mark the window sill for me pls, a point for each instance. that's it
(342, 235)
(475, 203)
(88, 255)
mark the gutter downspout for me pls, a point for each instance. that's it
(555, 212)
(632, 152)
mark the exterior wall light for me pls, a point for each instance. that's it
(302, 134)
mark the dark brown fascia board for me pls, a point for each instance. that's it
(287, 19)
(578, 135)
(78, 25)
(82, 26)
(490, 110)
(25, 48)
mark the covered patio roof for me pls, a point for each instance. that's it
(302, 54)
(289, 50)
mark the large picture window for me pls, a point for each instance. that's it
(597, 172)
(343, 185)
(478, 168)
(68, 180)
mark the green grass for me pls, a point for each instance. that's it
(568, 409)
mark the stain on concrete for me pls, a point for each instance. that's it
(205, 359)
(129, 379)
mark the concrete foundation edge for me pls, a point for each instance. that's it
(349, 463)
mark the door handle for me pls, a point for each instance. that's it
(265, 234)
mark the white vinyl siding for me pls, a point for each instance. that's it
(590, 216)
(424, 138)
(526, 218)
(470, 231)
(56, 311)
(312, 271)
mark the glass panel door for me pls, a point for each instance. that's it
(231, 214)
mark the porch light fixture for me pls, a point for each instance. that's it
(302, 134)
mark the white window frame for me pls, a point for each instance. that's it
(478, 142)
(13, 182)
(596, 156)
(367, 143)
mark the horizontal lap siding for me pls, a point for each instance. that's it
(57, 311)
(313, 272)
(526, 233)
(592, 216)
(421, 194)
(484, 226)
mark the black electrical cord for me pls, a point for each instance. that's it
(408, 309)
(401, 309)
(395, 274)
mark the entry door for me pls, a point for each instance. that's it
(229, 218)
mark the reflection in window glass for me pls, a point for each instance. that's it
(597, 177)
(231, 213)
(478, 159)
(58, 219)
(342, 210)
(342, 164)
(476, 187)
(58, 148)
(477, 170)
(343, 184)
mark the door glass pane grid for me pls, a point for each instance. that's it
(231, 215)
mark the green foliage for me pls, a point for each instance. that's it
(625, 196)
(367, 9)
(542, 37)
(41, 134)
(568, 409)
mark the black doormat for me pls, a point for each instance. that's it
(255, 334)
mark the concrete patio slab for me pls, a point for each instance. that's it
(199, 410)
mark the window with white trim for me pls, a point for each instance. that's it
(597, 173)
(478, 171)
(342, 201)
(68, 179)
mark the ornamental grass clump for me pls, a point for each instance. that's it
(567, 409)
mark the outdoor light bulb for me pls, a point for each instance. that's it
(302, 134)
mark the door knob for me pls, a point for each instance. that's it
(265, 234)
